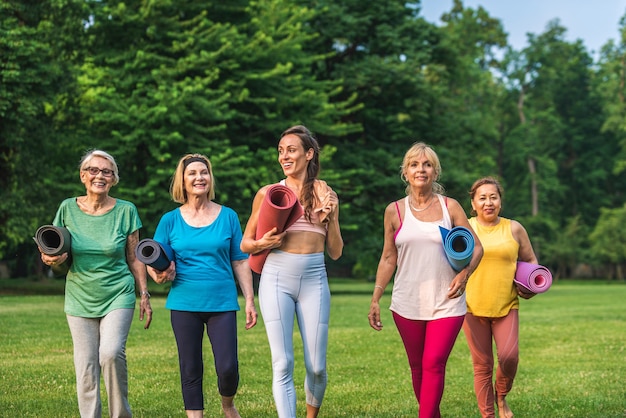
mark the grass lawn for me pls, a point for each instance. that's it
(572, 360)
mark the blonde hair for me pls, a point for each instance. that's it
(84, 162)
(177, 186)
(417, 150)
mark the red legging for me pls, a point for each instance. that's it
(428, 345)
(479, 332)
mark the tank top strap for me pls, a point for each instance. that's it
(443, 201)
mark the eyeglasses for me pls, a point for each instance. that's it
(94, 171)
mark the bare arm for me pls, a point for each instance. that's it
(242, 271)
(386, 264)
(56, 262)
(334, 241)
(138, 269)
(457, 286)
(249, 243)
(525, 252)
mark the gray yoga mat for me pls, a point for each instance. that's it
(53, 240)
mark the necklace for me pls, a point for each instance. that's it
(421, 209)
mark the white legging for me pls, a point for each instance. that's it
(296, 285)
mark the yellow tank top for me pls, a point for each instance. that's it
(490, 289)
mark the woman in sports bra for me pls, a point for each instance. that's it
(294, 283)
(428, 299)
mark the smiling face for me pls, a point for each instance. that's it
(197, 179)
(292, 156)
(487, 203)
(98, 183)
(420, 171)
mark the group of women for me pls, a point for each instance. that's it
(431, 301)
(428, 304)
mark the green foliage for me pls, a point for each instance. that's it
(36, 76)
(152, 81)
(564, 248)
(608, 240)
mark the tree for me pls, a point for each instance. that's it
(40, 48)
(608, 243)
(190, 81)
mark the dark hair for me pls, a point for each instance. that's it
(308, 142)
(481, 182)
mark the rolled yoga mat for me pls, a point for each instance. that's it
(154, 254)
(280, 209)
(53, 240)
(532, 278)
(458, 244)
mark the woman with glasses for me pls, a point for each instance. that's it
(102, 276)
(205, 237)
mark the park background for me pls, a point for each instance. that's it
(150, 81)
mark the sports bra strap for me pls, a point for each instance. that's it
(399, 217)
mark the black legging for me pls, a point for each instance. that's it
(188, 330)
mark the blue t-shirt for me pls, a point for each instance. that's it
(204, 275)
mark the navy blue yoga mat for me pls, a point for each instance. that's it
(53, 240)
(154, 254)
(458, 243)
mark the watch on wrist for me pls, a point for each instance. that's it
(145, 293)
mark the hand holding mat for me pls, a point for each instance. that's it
(458, 244)
(327, 204)
(154, 254)
(53, 240)
(280, 209)
(532, 278)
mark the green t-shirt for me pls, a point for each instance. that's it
(99, 279)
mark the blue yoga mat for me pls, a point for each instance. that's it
(53, 240)
(154, 254)
(458, 243)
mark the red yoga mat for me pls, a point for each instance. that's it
(280, 209)
(532, 277)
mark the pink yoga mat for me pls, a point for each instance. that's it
(532, 277)
(280, 209)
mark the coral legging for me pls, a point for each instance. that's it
(428, 345)
(479, 332)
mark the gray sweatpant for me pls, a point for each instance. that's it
(100, 347)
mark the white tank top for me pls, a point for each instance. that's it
(423, 272)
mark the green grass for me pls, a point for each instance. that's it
(572, 362)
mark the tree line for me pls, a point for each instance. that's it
(151, 81)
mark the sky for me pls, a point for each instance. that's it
(594, 22)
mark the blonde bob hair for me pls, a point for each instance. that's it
(418, 150)
(89, 155)
(177, 187)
